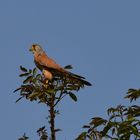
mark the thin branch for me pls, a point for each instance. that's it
(60, 98)
(52, 118)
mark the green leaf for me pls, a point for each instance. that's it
(23, 69)
(30, 71)
(17, 89)
(34, 71)
(135, 130)
(38, 76)
(68, 67)
(82, 136)
(19, 99)
(86, 126)
(57, 130)
(24, 137)
(97, 121)
(41, 129)
(107, 128)
(50, 91)
(34, 80)
(133, 94)
(24, 74)
(113, 131)
(28, 80)
(73, 96)
(33, 96)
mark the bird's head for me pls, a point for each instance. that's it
(36, 49)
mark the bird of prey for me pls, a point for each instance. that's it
(50, 68)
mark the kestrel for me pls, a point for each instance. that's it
(50, 68)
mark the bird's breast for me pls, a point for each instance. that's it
(48, 75)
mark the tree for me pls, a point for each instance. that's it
(123, 122)
(50, 93)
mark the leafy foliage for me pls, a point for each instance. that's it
(24, 137)
(133, 94)
(123, 122)
(42, 132)
(36, 88)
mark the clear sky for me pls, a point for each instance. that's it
(101, 39)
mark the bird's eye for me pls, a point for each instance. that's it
(33, 46)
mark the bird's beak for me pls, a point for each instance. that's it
(31, 49)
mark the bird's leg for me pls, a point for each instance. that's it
(46, 81)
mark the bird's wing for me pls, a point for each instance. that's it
(44, 62)
(47, 62)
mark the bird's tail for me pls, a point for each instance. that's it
(80, 78)
(75, 77)
(86, 82)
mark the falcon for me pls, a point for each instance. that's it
(50, 68)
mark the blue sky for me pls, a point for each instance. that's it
(99, 38)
